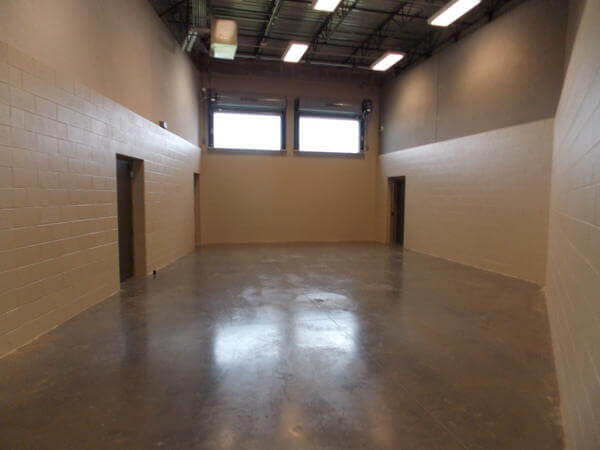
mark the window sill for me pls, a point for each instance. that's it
(360, 155)
(233, 151)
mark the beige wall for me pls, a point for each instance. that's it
(58, 225)
(573, 289)
(268, 198)
(119, 48)
(507, 73)
(481, 200)
(471, 129)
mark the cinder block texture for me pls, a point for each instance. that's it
(480, 200)
(58, 224)
(573, 277)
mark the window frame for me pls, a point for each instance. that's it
(328, 115)
(245, 110)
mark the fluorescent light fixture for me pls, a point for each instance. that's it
(326, 5)
(295, 51)
(452, 12)
(386, 61)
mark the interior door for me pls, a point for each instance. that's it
(197, 208)
(398, 193)
(125, 217)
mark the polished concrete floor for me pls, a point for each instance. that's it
(293, 347)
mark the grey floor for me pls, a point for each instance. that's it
(293, 347)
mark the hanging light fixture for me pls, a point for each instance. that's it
(295, 51)
(326, 5)
(452, 12)
(387, 60)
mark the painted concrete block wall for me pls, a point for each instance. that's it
(58, 225)
(290, 198)
(573, 286)
(119, 48)
(507, 73)
(480, 200)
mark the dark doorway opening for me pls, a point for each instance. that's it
(131, 217)
(125, 213)
(397, 194)
(197, 208)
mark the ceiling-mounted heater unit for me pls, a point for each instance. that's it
(223, 38)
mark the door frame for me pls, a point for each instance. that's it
(138, 211)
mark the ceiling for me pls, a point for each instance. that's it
(353, 36)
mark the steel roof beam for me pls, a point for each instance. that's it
(315, 62)
(331, 24)
(329, 44)
(376, 38)
(359, 9)
(260, 17)
(347, 43)
(356, 9)
(274, 12)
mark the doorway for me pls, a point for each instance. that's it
(197, 208)
(131, 217)
(397, 194)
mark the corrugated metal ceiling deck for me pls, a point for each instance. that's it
(357, 33)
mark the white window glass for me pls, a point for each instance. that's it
(332, 135)
(246, 131)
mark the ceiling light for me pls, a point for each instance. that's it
(386, 61)
(295, 51)
(326, 5)
(452, 11)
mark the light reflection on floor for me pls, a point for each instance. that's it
(236, 344)
(279, 347)
(250, 351)
(249, 342)
(331, 331)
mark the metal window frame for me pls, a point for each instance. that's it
(245, 110)
(328, 115)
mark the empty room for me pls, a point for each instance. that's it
(300, 224)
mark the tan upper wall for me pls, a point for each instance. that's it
(507, 73)
(573, 289)
(118, 47)
(268, 198)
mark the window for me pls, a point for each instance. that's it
(324, 126)
(330, 135)
(246, 131)
(240, 122)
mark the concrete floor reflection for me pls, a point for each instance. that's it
(243, 344)
(293, 347)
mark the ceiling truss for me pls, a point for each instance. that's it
(354, 35)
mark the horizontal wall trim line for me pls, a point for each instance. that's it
(456, 139)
